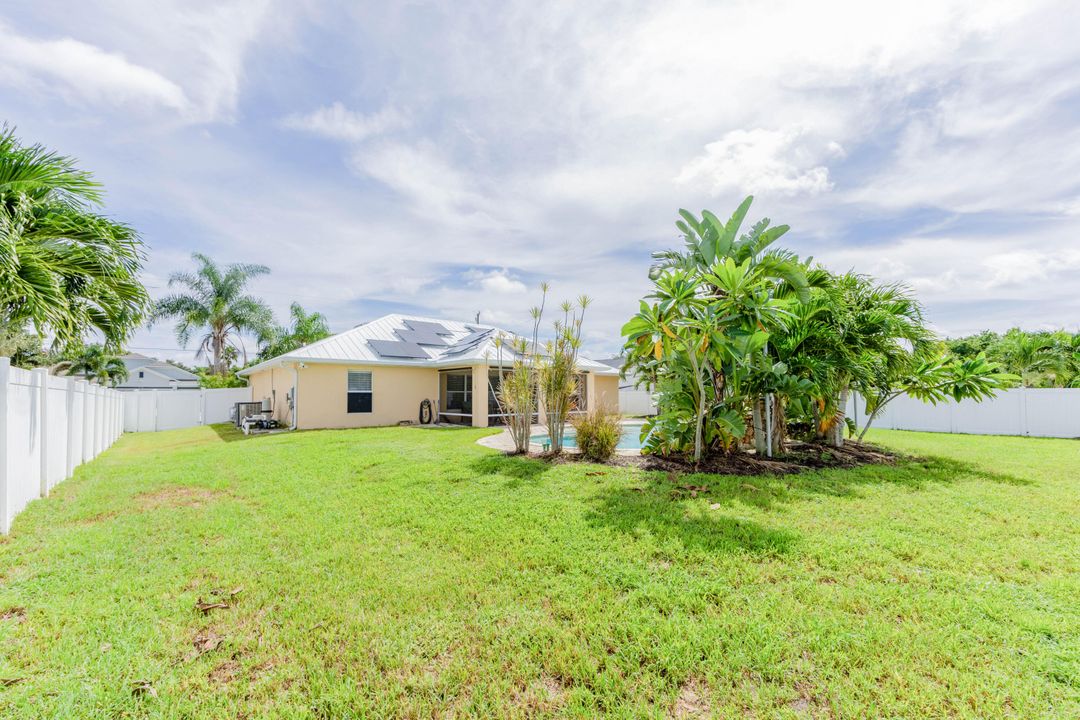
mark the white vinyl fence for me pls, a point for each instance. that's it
(636, 402)
(48, 426)
(151, 410)
(1051, 412)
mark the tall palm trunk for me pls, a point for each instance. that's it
(836, 432)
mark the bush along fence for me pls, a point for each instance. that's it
(49, 425)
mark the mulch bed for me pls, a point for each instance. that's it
(800, 456)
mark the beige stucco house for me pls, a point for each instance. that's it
(380, 372)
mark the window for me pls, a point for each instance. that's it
(140, 374)
(359, 391)
(459, 393)
(581, 399)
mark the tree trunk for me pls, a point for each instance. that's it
(779, 426)
(757, 413)
(836, 433)
(218, 369)
(819, 436)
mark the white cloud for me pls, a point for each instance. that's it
(339, 123)
(85, 71)
(499, 282)
(433, 186)
(759, 161)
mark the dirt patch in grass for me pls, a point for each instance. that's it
(176, 496)
(544, 694)
(224, 673)
(693, 701)
(98, 518)
(13, 613)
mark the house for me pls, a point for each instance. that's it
(633, 400)
(147, 373)
(380, 372)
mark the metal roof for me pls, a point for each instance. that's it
(466, 344)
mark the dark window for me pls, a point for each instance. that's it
(359, 391)
(140, 374)
(459, 393)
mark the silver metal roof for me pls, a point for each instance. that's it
(466, 344)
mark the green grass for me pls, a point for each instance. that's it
(411, 573)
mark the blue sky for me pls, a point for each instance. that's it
(446, 157)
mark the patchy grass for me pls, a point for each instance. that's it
(410, 573)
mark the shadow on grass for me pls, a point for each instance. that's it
(516, 468)
(766, 491)
(230, 433)
(669, 506)
(652, 510)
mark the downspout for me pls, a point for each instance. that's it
(295, 395)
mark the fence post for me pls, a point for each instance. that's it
(84, 388)
(1023, 411)
(5, 372)
(41, 379)
(69, 398)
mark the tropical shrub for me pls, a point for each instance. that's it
(598, 433)
(1040, 359)
(744, 342)
(95, 363)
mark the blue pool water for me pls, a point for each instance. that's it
(630, 439)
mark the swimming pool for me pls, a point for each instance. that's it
(630, 439)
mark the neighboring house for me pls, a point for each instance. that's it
(146, 373)
(633, 400)
(380, 372)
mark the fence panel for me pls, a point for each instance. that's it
(152, 410)
(636, 402)
(1039, 412)
(48, 426)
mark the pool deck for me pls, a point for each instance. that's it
(505, 443)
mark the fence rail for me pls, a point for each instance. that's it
(49, 425)
(1038, 412)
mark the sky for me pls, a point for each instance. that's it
(445, 158)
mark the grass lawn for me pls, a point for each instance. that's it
(411, 573)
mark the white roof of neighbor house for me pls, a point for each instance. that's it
(465, 344)
(136, 363)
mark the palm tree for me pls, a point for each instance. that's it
(1027, 354)
(216, 305)
(63, 267)
(96, 364)
(305, 329)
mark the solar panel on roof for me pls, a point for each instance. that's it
(421, 337)
(427, 327)
(468, 342)
(398, 349)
